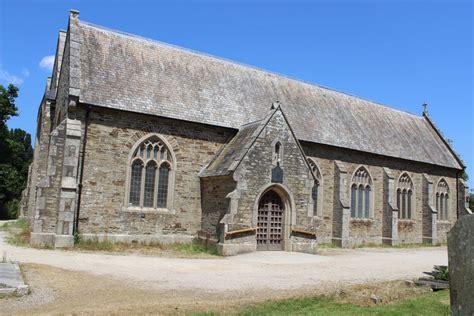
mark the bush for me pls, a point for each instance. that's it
(440, 273)
(12, 208)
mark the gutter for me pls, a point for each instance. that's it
(81, 176)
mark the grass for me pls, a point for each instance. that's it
(193, 249)
(373, 245)
(427, 304)
(18, 233)
(400, 246)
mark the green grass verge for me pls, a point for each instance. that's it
(18, 233)
(400, 246)
(430, 304)
(194, 248)
(372, 245)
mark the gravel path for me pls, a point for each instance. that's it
(255, 271)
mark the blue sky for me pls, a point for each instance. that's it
(400, 53)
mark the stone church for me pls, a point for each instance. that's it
(140, 141)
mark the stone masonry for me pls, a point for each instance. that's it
(229, 142)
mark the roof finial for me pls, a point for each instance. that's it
(275, 104)
(74, 14)
(425, 108)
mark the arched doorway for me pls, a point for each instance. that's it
(270, 222)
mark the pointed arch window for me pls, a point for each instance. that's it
(316, 191)
(442, 199)
(150, 175)
(405, 196)
(361, 194)
(277, 156)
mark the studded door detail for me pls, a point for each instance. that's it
(270, 222)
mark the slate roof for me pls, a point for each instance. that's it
(229, 157)
(127, 72)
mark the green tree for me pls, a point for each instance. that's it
(15, 155)
(7, 103)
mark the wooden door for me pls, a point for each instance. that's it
(270, 222)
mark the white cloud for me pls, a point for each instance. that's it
(9, 78)
(47, 62)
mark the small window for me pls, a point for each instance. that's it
(361, 194)
(277, 156)
(442, 199)
(405, 196)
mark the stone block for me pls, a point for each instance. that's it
(68, 183)
(8, 291)
(22, 290)
(63, 241)
(461, 266)
(304, 245)
(42, 239)
(227, 249)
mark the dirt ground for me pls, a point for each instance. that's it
(58, 291)
(65, 282)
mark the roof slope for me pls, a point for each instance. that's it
(229, 157)
(135, 74)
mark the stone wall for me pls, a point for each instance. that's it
(201, 204)
(47, 190)
(215, 202)
(371, 231)
(111, 136)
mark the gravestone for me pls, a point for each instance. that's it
(461, 266)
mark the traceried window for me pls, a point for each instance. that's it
(150, 174)
(361, 194)
(405, 196)
(316, 191)
(442, 199)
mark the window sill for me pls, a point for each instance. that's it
(443, 221)
(406, 220)
(361, 220)
(147, 210)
